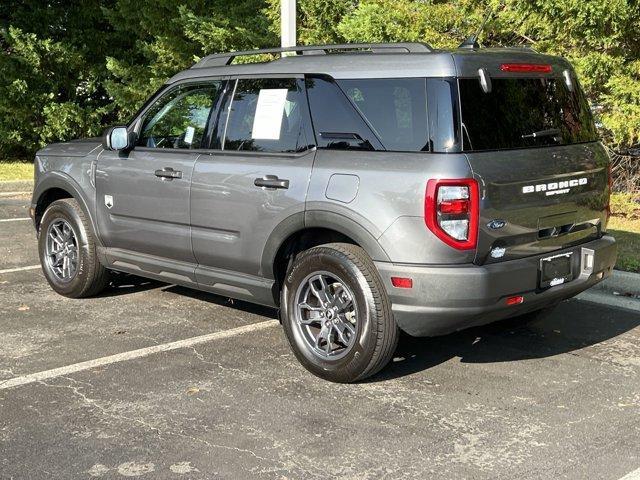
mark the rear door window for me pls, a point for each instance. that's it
(523, 113)
(266, 115)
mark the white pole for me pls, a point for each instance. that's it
(288, 23)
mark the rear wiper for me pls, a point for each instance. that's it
(552, 132)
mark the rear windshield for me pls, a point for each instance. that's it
(523, 113)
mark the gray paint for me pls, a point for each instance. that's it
(213, 229)
(149, 213)
(342, 188)
(231, 217)
(503, 174)
(339, 66)
(448, 298)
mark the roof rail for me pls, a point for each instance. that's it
(222, 59)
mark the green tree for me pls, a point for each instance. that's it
(168, 38)
(69, 68)
(51, 73)
(317, 19)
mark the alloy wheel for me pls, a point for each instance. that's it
(61, 250)
(326, 315)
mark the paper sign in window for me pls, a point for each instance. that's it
(267, 121)
(188, 135)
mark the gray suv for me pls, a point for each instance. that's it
(362, 189)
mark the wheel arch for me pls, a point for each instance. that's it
(56, 186)
(298, 233)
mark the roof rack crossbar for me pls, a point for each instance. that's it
(222, 59)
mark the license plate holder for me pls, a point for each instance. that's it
(556, 270)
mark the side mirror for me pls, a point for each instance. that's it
(118, 139)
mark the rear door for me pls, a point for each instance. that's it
(256, 177)
(532, 142)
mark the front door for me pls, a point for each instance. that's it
(143, 195)
(255, 180)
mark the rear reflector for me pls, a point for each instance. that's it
(525, 67)
(515, 300)
(401, 282)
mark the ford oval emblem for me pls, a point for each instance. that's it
(496, 224)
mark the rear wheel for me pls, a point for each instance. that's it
(67, 251)
(336, 313)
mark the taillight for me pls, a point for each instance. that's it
(525, 67)
(451, 210)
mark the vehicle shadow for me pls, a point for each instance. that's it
(572, 326)
(223, 301)
(125, 284)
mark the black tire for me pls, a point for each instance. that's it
(376, 333)
(90, 276)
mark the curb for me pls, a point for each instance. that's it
(16, 186)
(621, 290)
(624, 284)
(606, 298)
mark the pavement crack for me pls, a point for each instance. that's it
(92, 403)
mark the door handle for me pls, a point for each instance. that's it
(271, 181)
(168, 173)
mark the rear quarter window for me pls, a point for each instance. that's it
(395, 108)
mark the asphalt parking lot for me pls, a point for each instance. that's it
(556, 399)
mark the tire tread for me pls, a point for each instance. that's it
(387, 333)
(98, 276)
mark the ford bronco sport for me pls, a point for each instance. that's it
(361, 189)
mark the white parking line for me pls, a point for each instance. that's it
(14, 194)
(635, 475)
(19, 269)
(15, 219)
(133, 354)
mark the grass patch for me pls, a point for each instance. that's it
(625, 205)
(16, 170)
(626, 231)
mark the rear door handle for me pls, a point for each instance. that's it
(271, 181)
(168, 173)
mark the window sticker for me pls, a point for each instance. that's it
(188, 135)
(267, 121)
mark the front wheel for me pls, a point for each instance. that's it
(336, 313)
(67, 251)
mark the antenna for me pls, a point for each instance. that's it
(472, 41)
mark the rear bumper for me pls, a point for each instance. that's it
(444, 299)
